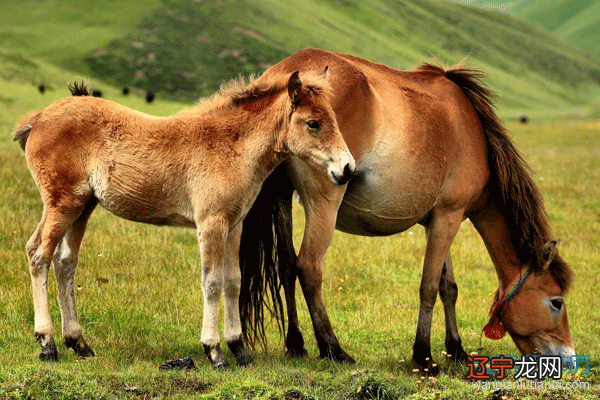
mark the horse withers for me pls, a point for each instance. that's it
(429, 150)
(201, 168)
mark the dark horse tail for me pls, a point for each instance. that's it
(261, 287)
(511, 185)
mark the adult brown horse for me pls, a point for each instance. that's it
(431, 151)
(201, 168)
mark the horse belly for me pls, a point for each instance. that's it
(384, 201)
(131, 195)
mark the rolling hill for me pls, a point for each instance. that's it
(577, 21)
(184, 49)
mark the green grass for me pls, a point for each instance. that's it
(185, 49)
(577, 21)
(140, 302)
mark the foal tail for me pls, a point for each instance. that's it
(259, 264)
(23, 127)
(511, 185)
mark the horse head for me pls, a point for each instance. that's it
(535, 312)
(313, 134)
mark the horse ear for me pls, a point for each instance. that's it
(549, 253)
(295, 87)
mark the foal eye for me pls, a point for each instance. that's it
(313, 124)
(556, 304)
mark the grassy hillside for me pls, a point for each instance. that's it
(577, 21)
(184, 49)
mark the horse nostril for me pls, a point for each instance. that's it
(348, 171)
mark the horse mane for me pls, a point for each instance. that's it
(511, 185)
(79, 89)
(240, 91)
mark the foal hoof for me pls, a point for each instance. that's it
(215, 356)
(221, 364)
(48, 354)
(80, 347)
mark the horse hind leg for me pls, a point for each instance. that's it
(40, 249)
(294, 342)
(449, 295)
(441, 230)
(231, 291)
(65, 263)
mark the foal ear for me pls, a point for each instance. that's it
(295, 87)
(549, 253)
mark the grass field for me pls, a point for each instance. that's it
(138, 287)
(140, 303)
(184, 49)
(577, 21)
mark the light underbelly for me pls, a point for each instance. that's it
(136, 197)
(380, 204)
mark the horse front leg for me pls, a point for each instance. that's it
(441, 230)
(212, 237)
(321, 204)
(449, 295)
(232, 285)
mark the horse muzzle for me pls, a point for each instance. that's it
(340, 173)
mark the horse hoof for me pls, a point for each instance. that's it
(459, 357)
(295, 353)
(80, 347)
(426, 366)
(339, 356)
(215, 356)
(48, 354)
(245, 361)
(222, 365)
(239, 351)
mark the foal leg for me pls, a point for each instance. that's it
(212, 238)
(232, 285)
(294, 342)
(448, 295)
(65, 263)
(441, 231)
(40, 249)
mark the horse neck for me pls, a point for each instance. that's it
(254, 133)
(493, 228)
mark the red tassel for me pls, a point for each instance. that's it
(494, 330)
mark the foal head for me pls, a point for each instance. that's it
(536, 317)
(313, 133)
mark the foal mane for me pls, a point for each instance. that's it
(241, 91)
(511, 186)
(79, 89)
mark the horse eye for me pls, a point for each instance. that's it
(556, 303)
(313, 124)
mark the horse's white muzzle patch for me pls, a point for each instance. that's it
(340, 171)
